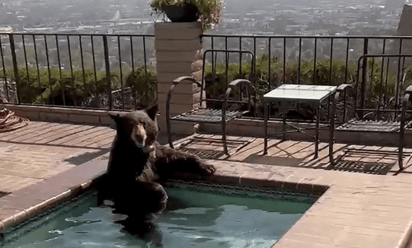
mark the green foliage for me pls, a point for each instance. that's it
(292, 70)
(75, 90)
(51, 87)
(381, 84)
(40, 87)
(142, 83)
(31, 86)
(325, 74)
(209, 10)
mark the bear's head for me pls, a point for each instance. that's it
(139, 127)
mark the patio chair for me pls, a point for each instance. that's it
(387, 113)
(208, 111)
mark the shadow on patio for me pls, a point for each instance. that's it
(352, 158)
(44, 149)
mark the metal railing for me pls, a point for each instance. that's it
(294, 48)
(330, 60)
(76, 69)
(82, 69)
(388, 101)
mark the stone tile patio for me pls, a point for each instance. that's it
(45, 163)
(42, 149)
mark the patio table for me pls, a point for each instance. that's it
(289, 94)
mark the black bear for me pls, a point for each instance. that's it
(137, 161)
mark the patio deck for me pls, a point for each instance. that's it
(367, 203)
(44, 149)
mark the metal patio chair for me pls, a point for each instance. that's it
(208, 112)
(386, 114)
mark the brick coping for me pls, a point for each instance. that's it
(355, 210)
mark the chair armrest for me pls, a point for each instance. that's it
(341, 91)
(229, 89)
(236, 83)
(405, 104)
(241, 81)
(169, 96)
(188, 78)
(344, 87)
(174, 84)
(406, 98)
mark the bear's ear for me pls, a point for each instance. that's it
(116, 116)
(113, 115)
(152, 111)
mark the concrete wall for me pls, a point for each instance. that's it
(65, 115)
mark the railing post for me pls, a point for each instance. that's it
(364, 72)
(4, 71)
(106, 60)
(15, 68)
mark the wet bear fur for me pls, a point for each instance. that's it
(137, 161)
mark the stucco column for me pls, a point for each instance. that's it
(178, 53)
(405, 22)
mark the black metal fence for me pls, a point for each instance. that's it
(115, 71)
(299, 49)
(96, 70)
(321, 60)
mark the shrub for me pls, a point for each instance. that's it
(142, 84)
(39, 88)
(325, 75)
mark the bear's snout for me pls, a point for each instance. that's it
(139, 135)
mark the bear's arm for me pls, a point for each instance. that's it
(168, 161)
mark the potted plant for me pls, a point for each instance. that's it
(190, 10)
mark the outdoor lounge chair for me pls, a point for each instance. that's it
(207, 113)
(387, 114)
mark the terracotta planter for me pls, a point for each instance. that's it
(185, 13)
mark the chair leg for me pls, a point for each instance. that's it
(332, 130)
(317, 130)
(401, 144)
(405, 102)
(284, 127)
(169, 132)
(265, 145)
(224, 138)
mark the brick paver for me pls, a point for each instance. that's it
(355, 210)
(358, 210)
(41, 150)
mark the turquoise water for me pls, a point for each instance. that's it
(195, 217)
